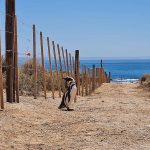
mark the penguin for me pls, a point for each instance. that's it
(70, 94)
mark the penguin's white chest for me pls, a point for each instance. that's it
(73, 92)
(72, 95)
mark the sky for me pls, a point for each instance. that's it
(98, 28)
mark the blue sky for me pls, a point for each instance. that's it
(98, 28)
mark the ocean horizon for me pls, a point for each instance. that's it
(122, 70)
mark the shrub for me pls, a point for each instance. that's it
(145, 81)
(26, 78)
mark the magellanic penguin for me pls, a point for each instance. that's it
(70, 94)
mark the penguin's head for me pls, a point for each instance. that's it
(68, 79)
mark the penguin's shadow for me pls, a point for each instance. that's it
(67, 110)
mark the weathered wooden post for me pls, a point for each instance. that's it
(67, 62)
(16, 78)
(77, 69)
(64, 58)
(79, 80)
(93, 78)
(14, 63)
(61, 72)
(43, 68)
(49, 56)
(99, 77)
(56, 68)
(1, 84)
(1, 79)
(70, 64)
(105, 77)
(90, 83)
(86, 80)
(102, 73)
(83, 80)
(60, 62)
(73, 66)
(9, 35)
(108, 78)
(50, 64)
(34, 62)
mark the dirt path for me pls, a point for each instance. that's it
(115, 117)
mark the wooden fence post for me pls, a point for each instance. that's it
(93, 78)
(70, 64)
(105, 77)
(64, 58)
(90, 83)
(1, 79)
(14, 63)
(73, 66)
(86, 79)
(61, 72)
(67, 63)
(102, 73)
(97, 77)
(16, 78)
(83, 79)
(50, 64)
(77, 69)
(1, 84)
(34, 62)
(9, 35)
(43, 68)
(79, 79)
(109, 76)
(56, 68)
(60, 60)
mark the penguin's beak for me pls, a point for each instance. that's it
(65, 78)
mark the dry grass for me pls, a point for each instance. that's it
(145, 81)
(26, 79)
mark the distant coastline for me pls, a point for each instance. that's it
(122, 70)
(114, 58)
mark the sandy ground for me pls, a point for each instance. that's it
(115, 117)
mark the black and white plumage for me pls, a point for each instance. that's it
(70, 94)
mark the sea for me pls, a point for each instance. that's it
(122, 70)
